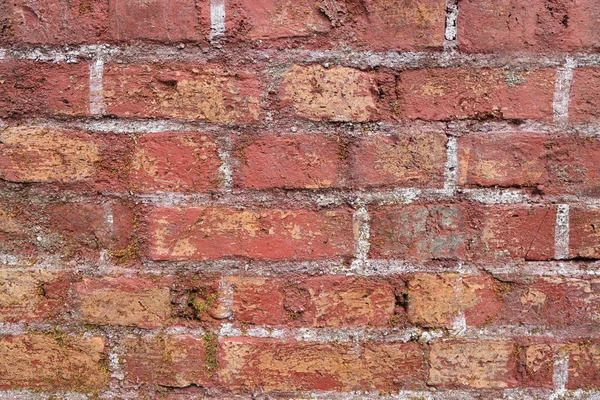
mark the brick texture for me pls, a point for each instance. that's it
(345, 199)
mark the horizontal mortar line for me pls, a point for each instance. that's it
(366, 268)
(441, 394)
(338, 197)
(150, 53)
(295, 127)
(317, 335)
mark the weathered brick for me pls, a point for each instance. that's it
(549, 301)
(32, 295)
(411, 160)
(335, 94)
(68, 229)
(484, 364)
(402, 25)
(159, 20)
(46, 155)
(584, 364)
(79, 229)
(299, 161)
(584, 101)
(445, 299)
(467, 93)
(175, 162)
(274, 365)
(463, 232)
(185, 91)
(124, 301)
(169, 360)
(551, 164)
(534, 26)
(273, 19)
(584, 236)
(503, 160)
(270, 234)
(30, 88)
(320, 301)
(45, 361)
(53, 21)
(525, 232)
(536, 362)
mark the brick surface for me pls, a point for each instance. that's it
(319, 302)
(335, 94)
(53, 21)
(162, 20)
(473, 364)
(465, 93)
(534, 26)
(584, 365)
(122, 301)
(175, 162)
(219, 232)
(166, 360)
(34, 295)
(259, 364)
(584, 238)
(43, 88)
(185, 91)
(584, 100)
(300, 161)
(463, 232)
(38, 361)
(546, 163)
(411, 160)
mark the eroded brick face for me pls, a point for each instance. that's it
(345, 199)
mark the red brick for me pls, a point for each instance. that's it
(47, 155)
(412, 160)
(423, 232)
(535, 357)
(34, 295)
(504, 160)
(175, 162)
(334, 94)
(269, 234)
(534, 26)
(441, 300)
(274, 365)
(321, 301)
(124, 301)
(166, 360)
(584, 237)
(552, 164)
(53, 21)
(463, 232)
(550, 301)
(185, 91)
(585, 101)
(45, 361)
(525, 232)
(160, 20)
(81, 229)
(482, 364)
(29, 88)
(273, 19)
(584, 364)
(466, 93)
(74, 158)
(67, 229)
(401, 25)
(299, 161)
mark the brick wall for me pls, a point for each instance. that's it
(360, 199)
